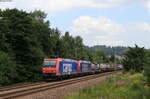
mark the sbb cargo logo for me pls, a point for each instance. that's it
(67, 68)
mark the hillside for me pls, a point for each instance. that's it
(119, 50)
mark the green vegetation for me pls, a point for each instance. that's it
(131, 85)
(147, 65)
(126, 86)
(118, 50)
(99, 57)
(134, 59)
(137, 59)
(25, 39)
(7, 71)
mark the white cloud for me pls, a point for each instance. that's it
(63, 5)
(94, 30)
(100, 30)
(4, 5)
(105, 31)
(101, 26)
(141, 27)
(148, 5)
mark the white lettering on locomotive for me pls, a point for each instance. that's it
(67, 68)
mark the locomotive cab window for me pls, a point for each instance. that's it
(49, 64)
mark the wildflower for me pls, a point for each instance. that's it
(121, 83)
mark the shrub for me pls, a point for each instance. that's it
(147, 66)
(7, 69)
(134, 59)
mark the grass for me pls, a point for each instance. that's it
(126, 86)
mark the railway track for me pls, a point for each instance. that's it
(22, 91)
(20, 86)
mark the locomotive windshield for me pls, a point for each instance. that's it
(49, 64)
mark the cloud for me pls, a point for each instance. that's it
(63, 5)
(101, 26)
(148, 5)
(100, 30)
(143, 27)
(105, 31)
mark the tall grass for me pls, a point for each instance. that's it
(117, 87)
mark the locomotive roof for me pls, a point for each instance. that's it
(85, 61)
(69, 60)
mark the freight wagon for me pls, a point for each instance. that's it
(84, 67)
(105, 67)
(97, 68)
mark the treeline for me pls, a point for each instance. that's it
(137, 59)
(25, 39)
(108, 50)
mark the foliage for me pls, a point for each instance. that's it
(112, 58)
(28, 38)
(134, 59)
(99, 56)
(7, 69)
(147, 65)
(120, 87)
(118, 50)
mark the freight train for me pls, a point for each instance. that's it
(62, 68)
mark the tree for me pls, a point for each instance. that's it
(42, 32)
(85, 55)
(98, 56)
(147, 65)
(21, 37)
(68, 43)
(55, 43)
(134, 59)
(38, 15)
(8, 73)
(112, 58)
(79, 50)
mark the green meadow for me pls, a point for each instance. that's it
(125, 86)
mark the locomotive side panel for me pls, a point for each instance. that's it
(67, 68)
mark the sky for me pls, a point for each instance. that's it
(98, 22)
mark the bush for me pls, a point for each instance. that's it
(7, 69)
(147, 66)
(134, 59)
